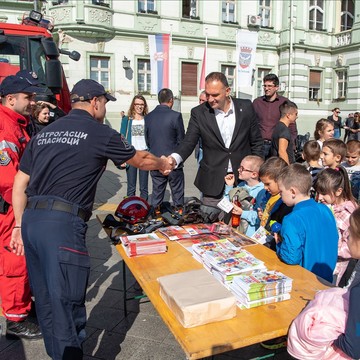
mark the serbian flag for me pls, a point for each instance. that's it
(159, 46)
(203, 72)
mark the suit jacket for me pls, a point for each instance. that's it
(164, 130)
(246, 140)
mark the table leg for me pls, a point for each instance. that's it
(125, 290)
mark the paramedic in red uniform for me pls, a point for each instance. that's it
(17, 96)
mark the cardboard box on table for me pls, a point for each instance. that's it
(197, 298)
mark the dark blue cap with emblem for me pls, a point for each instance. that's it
(87, 89)
(29, 75)
(14, 84)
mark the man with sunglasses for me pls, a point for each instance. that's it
(267, 110)
(53, 196)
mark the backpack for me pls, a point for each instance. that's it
(246, 201)
(192, 212)
(299, 146)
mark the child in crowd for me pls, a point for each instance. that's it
(333, 153)
(274, 209)
(311, 154)
(249, 176)
(324, 130)
(352, 166)
(328, 328)
(281, 142)
(333, 188)
(309, 235)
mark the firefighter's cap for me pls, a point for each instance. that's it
(15, 84)
(87, 89)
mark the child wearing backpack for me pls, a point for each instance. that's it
(249, 176)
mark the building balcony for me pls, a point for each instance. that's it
(90, 20)
(342, 39)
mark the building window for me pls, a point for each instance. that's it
(146, 6)
(101, 2)
(261, 73)
(100, 70)
(265, 12)
(229, 72)
(143, 76)
(189, 9)
(347, 14)
(314, 85)
(228, 11)
(189, 75)
(60, 2)
(341, 84)
(316, 15)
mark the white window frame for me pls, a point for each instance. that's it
(194, 9)
(346, 15)
(149, 5)
(227, 16)
(341, 83)
(261, 72)
(230, 77)
(313, 22)
(263, 10)
(99, 70)
(314, 92)
(146, 72)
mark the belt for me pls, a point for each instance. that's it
(59, 206)
(267, 141)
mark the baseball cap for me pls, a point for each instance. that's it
(29, 75)
(87, 89)
(14, 84)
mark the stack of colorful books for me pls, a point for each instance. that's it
(225, 260)
(260, 287)
(143, 244)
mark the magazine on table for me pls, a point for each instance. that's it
(174, 232)
(143, 244)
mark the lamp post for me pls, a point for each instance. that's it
(126, 63)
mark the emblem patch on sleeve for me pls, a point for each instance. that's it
(4, 158)
(125, 142)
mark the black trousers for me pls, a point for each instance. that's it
(176, 182)
(59, 266)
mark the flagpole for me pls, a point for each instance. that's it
(170, 52)
(206, 40)
(236, 65)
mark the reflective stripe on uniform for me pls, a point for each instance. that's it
(20, 316)
(8, 145)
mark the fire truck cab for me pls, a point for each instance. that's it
(30, 46)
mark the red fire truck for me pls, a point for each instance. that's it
(30, 46)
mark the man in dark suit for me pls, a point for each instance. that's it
(228, 129)
(164, 130)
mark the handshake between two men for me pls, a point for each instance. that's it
(169, 165)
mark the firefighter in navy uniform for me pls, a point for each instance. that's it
(53, 196)
(17, 97)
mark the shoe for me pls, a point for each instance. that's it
(274, 344)
(23, 330)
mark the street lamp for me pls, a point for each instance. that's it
(126, 63)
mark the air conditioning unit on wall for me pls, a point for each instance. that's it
(254, 20)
